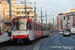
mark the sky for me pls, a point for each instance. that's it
(53, 7)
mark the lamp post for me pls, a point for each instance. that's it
(25, 8)
(35, 10)
(10, 9)
(4, 19)
(46, 17)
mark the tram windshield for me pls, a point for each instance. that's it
(20, 24)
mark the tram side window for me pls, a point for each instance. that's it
(34, 26)
(48, 28)
(44, 28)
(38, 27)
(29, 25)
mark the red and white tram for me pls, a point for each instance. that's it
(26, 28)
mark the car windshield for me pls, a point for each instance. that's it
(66, 32)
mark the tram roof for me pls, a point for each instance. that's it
(28, 19)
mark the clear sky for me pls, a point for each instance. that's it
(54, 7)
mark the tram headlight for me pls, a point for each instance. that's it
(15, 36)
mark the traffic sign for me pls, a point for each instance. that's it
(8, 1)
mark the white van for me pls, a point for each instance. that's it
(72, 30)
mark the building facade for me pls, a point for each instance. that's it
(4, 10)
(60, 21)
(66, 21)
(17, 10)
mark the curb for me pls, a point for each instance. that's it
(38, 44)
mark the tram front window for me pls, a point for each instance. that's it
(20, 24)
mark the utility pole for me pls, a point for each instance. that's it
(10, 10)
(3, 15)
(25, 8)
(35, 10)
(46, 17)
(53, 22)
(41, 15)
(4, 19)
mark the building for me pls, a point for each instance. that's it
(69, 19)
(60, 21)
(17, 10)
(21, 11)
(72, 10)
(4, 10)
(66, 20)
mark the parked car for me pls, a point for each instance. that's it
(72, 30)
(66, 33)
(61, 32)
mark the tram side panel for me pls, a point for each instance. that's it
(39, 30)
(45, 31)
(31, 31)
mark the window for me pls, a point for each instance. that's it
(39, 27)
(32, 16)
(22, 12)
(20, 24)
(18, 12)
(27, 12)
(44, 28)
(30, 25)
(34, 26)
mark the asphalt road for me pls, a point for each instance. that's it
(58, 42)
(20, 46)
(24, 46)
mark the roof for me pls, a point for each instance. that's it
(60, 14)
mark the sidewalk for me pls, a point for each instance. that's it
(4, 38)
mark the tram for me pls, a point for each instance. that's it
(27, 29)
